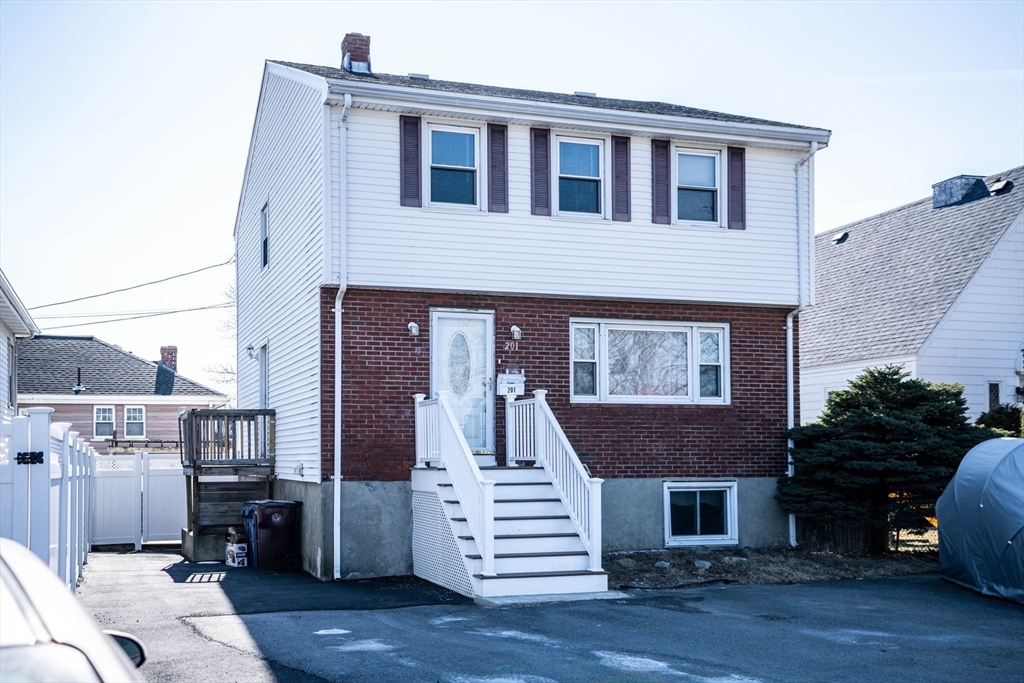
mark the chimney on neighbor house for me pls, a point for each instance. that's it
(959, 190)
(355, 53)
(169, 357)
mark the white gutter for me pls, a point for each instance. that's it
(20, 320)
(342, 235)
(801, 304)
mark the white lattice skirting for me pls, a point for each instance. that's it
(436, 556)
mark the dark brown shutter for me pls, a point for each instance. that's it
(737, 188)
(661, 181)
(540, 171)
(620, 178)
(412, 187)
(497, 168)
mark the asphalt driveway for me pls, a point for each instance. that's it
(212, 623)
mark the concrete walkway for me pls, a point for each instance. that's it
(213, 623)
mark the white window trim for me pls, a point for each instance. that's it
(477, 130)
(721, 178)
(264, 235)
(113, 420)
(731, 537)
(134, 438)
(603, 143)
(693, 361)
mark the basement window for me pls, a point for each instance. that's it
(700, 513)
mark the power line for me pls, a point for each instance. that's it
(125, 289)
(137, 317)
(112, 314)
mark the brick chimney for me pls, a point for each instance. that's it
(355, 53)
(169, 357)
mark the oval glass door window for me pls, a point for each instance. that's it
(458, 364)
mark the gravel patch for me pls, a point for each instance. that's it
(679, 567)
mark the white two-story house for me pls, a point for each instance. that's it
(416, 258)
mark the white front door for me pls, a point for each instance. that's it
(462, 363)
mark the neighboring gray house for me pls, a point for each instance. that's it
(114, 399)
(936, 286)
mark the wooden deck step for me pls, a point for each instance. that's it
(514, 483)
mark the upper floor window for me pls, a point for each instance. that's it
(453, 166)
(135, 421)
(579, 176)
(265, 236)
(648, 362)
(697, 185)
(103, 422)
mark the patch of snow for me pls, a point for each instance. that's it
(331, 632)
(440, 621)
(516, 635)
(501, 679)
(371, 645)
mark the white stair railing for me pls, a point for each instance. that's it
(439, 438)
(532, 422)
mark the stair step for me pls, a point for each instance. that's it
(511, 519)
(477, 556)
(514, 483)
(519, 500)
(538, 575)
(555, 535)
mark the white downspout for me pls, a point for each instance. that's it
(342, 284)
(801, 304)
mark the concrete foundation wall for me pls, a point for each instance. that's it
(376, 528)
(633, 514)
(314, 525)
(376, 521)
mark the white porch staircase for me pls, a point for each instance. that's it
(533, 530)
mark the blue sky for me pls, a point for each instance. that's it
(124, 126)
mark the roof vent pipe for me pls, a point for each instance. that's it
(355, 53)
(959, 190)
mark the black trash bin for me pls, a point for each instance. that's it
(273, 530)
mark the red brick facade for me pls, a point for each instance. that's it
(383, 366)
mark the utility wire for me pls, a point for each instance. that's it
(137, 317)
(112, 314)
(125, 289)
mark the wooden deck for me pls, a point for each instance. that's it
(218, 443)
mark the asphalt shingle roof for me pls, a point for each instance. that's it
(48, 364)
(636, 106)
(882, 291)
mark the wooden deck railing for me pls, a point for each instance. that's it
(226, 437)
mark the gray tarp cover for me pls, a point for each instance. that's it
(981, 521)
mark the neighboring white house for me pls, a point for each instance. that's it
(15, 323)
(936, 286)
(639, 261)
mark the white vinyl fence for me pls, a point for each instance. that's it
(59, 497)
(140, 498)
(45, 490)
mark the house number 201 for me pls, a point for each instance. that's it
(511, 346)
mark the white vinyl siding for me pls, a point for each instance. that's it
(977, 341)
(394, 246)
(280, 306)
(816, 382)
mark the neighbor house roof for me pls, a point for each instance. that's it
(882, 290)
(48, 364)
(641, 107)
